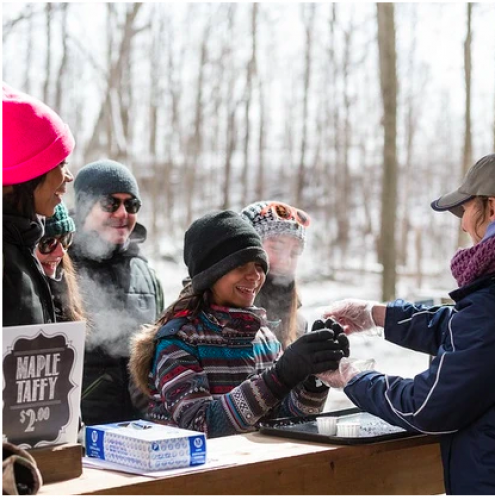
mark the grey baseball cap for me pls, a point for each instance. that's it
(479, 181)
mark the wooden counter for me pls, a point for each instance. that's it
(255, 463)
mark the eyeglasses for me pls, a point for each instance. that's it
(48, 244)
(111, 204)
(286, 212)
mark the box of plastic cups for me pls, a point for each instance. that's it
(145, 445)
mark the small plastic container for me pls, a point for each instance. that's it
(327, 425)
(348, 429)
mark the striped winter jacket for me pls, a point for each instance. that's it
(206, 374)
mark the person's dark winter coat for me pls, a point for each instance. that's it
(461, 376)
(22, 273)
(121, 293)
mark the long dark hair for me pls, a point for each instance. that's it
(75, 308)
(188, 300)
(22, 196)
(143, 343)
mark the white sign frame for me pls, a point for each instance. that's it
(29, 384)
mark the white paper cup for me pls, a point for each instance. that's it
(348, 429)
(327, 425)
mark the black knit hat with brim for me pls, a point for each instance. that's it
(217, 243)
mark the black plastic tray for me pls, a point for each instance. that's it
(373, 429)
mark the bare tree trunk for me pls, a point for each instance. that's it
(62, 70)
(231, 140)
(388, 83)
(110, 115)
(334, 127)
(159, 173)
(467, 153)
(176, 137)
(231, 132)
(418, 242)
(251, 74)
(344, 182)
(29, 50)
(260, 185)
(301, 175)
(405, 173)
(196, 141)
(48, 60)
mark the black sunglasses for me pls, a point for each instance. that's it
(47, 244)
(111, 204)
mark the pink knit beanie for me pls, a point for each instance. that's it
(35, 139)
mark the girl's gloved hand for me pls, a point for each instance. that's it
(354, 315)
(340, 336)
(316, 351)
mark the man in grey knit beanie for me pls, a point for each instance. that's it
(106, 182)
(120, 289)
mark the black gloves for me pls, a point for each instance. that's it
(340, 336)
(317, 351)
(312, 383)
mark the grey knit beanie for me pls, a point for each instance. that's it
(100, 178)
(60, 222)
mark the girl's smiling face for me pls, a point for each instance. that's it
(239, 287)
(50, 261)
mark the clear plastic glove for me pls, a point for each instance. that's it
(354, 315)
(348, 368)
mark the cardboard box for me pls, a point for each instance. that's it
(145, 445)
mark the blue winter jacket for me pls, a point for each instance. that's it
(455, 397)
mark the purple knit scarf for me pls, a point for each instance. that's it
(471, 263)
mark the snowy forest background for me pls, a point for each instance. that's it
(359, 113)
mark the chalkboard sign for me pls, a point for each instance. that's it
(42, 373)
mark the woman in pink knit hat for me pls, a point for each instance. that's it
(36, 143)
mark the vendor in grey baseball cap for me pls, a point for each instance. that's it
(479, 181)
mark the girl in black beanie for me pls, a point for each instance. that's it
(210, 363)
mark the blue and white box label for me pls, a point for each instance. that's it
(145, 445)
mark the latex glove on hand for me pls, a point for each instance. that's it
(315, 352)
(348, 368)
(354, 315)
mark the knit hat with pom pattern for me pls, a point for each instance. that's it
(275, 218)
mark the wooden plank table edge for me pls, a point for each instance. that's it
(283, 466)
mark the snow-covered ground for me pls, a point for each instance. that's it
(315, 296)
